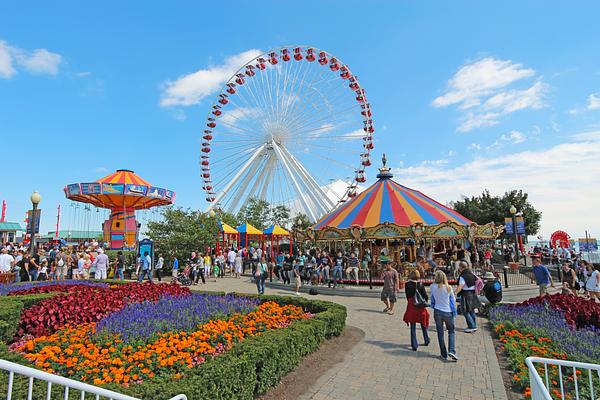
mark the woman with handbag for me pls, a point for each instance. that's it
(416, 309)
(260, 274)
(443, 303)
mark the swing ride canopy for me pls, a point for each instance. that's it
(121, 189)
(388, 210)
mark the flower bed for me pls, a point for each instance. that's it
(45, 287)
(85, 304)
(155, 341)
(560, 327)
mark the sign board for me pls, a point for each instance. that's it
(589, 244)
(31, 218)
(146, 245)
(508, 226)
(90, 188)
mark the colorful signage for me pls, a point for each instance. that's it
(589, 244)
(508, 226)
(73, 189)
(136, 190)
(90, 188)
(113, 188)
(30, 221)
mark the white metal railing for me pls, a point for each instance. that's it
(65, 384)
(572, 381)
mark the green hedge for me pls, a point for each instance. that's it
(251, 367)
(10, 312)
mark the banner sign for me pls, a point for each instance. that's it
(90, 188)
(113, 188)
(73, 189)
(30, 219)
(136, 190)
(589, 244)
(508, 226)
(157, 193)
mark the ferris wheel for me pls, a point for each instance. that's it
(283, 126)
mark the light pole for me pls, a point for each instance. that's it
(513, 211)
(35, 198)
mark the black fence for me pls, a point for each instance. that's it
(515, 275)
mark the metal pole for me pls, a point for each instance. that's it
(505, 276)
(32, 242)
(514, 221)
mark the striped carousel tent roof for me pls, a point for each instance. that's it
(228, 229)
(276, 230)
(388, 201)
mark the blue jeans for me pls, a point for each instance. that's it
(445, 318)
(33, 274)
(144, 273)
(336, 273)
(119, 274)
(260, 283)
(471, 320)
(413, 335)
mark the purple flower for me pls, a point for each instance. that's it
(143, 321)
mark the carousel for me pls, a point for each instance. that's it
(396, 218)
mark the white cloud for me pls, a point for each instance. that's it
(474, 146)
(514, 137)
(84, 74)
(6, 67)
(560, 180)
(39, 61)
(192, 88)
(481, 91)
(593, 101)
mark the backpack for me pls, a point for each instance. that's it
(61, 262)
(479, 286)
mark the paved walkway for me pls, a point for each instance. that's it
(383, 366)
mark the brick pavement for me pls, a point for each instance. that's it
(383, 366)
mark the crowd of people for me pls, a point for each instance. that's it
(55, 263)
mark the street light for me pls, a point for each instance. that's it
(513, 212)
(35, 198)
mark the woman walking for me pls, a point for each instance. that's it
(469, 301)
(443, 303)
(592, 284)
(416, 312)
(260, 275)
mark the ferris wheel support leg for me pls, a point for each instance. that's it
(237, 176)
(245, 182)
(269, 168)
(312, 191)
(258, 181)
(307, 207)
(323, 196)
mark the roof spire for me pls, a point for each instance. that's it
(384, 171)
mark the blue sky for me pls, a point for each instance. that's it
(465, 95)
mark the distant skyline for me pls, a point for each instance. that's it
(466, 96)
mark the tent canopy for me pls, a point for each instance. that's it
(276, 230)
(248, 229)
(227, 229)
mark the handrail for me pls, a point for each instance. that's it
(32, 373)
(540, 389)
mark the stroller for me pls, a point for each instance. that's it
(184, 276)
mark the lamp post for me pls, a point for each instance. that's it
(513, 212)
(35, 198)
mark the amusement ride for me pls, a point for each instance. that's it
(276, 123)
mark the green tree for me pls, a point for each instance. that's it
(181, 231)
(280, 215)
(256, 212)
(487, 208)
(301, 221)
